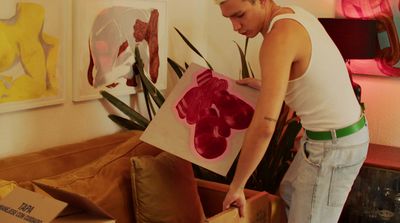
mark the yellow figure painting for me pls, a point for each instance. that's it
(28, 56)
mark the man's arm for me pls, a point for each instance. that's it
(279, 50)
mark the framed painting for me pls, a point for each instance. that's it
(387, 13)
(203, 120)
(32, 47)
(105, 36)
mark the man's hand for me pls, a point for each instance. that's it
(251, 82)
(235, 198)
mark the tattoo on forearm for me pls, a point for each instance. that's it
(270, 119)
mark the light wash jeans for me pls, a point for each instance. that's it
(317, 183)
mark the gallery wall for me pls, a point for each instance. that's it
(36, 129)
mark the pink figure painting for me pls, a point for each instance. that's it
(387, 12)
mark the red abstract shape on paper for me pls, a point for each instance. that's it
(149, 32)
(214, 112)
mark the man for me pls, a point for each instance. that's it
(300, 65)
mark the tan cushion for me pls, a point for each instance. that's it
(164, 190)
(57, 160)
(106, 181)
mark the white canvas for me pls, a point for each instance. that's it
(172, 133)
(102, 27)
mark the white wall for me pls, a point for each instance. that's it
(201, 22)
(381, 96)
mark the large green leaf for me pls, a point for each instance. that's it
(176, 67)
(153, 91)
(149, 105)
(251, 70)
(193, 48)
(124, 108)
(246, 45)
(126, 123)
(245, 70)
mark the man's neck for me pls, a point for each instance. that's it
(270, 12)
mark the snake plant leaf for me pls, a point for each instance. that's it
(251, 70)
(176, 67)
(245, 45)
(193, 47)
(124, 108)
(153, 91)
(245, 70)
(149, 105)
(126, 123)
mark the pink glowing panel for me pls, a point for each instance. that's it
(387, 12)
(203, 120)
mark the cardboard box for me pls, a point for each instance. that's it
(82, 218)
(22, 206)
(261, 207)
(81, 209)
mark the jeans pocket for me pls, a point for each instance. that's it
(342, 179)
(313, 153)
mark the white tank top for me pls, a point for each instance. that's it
(322, 97)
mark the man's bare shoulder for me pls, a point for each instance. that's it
(286, 28)
(285, 33)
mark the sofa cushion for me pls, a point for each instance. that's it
(164, 190)
(106, 181)
(62, 158)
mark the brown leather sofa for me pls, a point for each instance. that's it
(86, 159)
(110, 152)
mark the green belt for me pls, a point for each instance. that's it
(339, 132)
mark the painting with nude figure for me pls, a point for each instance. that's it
(105, 34)
(44, 42)
(209, 112)
(32, 65)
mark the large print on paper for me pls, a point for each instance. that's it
(204, 119)
(32, 62)
(106, 34)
